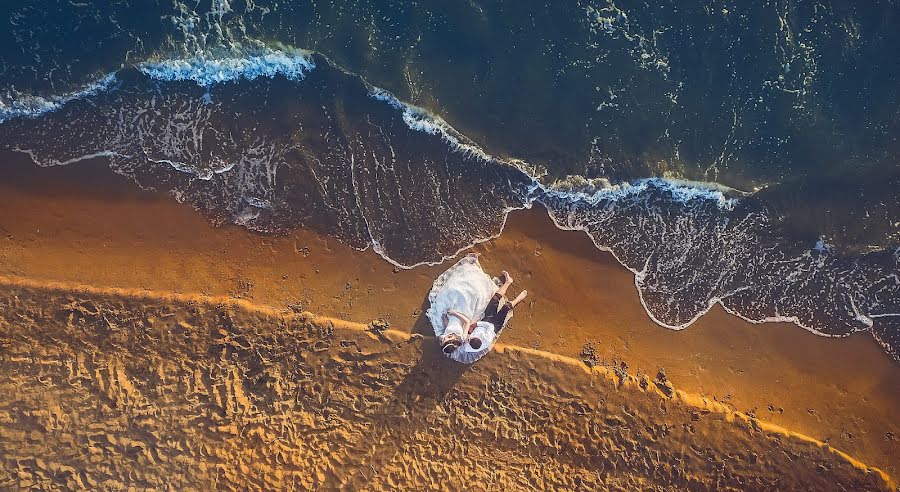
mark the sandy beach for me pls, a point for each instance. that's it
(124, 388)
(82, 225)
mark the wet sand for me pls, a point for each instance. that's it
(85, 226)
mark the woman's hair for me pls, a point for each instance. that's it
(451, 342)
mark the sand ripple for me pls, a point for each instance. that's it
(111, 389)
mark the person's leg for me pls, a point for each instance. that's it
(502, 317)
(493, 306)
(507, 281)
(519, 298)
(504, 313)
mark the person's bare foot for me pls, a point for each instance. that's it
(505, 278)
(519, 298)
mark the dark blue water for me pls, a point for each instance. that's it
(733, 152)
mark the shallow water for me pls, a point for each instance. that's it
(741, 154)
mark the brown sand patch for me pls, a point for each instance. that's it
(114, 388)
(82, 224)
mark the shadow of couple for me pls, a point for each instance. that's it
(427, 383)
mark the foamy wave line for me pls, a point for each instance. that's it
(208, 69)
(572, 188)
(592, 191)
(34, 106)
(639, 276)
(205, 69)
(679, 192)
(421, 120)
(577, 188)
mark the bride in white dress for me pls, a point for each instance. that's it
(464, 288)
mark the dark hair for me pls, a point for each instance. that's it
(475, 343)
(450, 345)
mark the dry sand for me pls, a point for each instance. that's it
(116, 388)
(82, 225)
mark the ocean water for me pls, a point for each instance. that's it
(742, 153)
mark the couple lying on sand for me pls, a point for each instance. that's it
(469, 309)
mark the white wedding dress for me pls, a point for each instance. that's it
(464, 287)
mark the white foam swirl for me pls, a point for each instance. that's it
(421, 120)
(209, 69)
(578, 188)
(33, 106)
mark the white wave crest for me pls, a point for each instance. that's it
(685, 192)
(572, 187)
(34, 106)
(578, 188)
(205, 69)
(421, 120)
(209, 69)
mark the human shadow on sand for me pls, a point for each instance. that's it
(429, 383)
(422, 325)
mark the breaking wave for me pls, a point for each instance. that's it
(28, 106)
(208, 69)
(276, 139)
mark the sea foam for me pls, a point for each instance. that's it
(593, 191)
(679, 238)
(33, 106)
(575, 188)
(420, 120)
(206, 70)
(210, 69)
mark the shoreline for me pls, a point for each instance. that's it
(84, 224)
(398, 337)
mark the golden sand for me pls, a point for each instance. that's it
(84, 227)
(118, 388)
